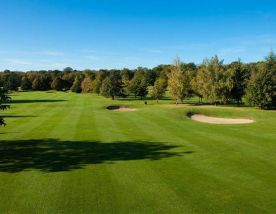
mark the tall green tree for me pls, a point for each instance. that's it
(239, 74)
(139, 85)
(112, 85)
(41, 82)
(261, 88)
(11, 80)
(76, 87)
(97, 83)
(26, 84)
(213, 82)
(158, 89)
(59, 84)
(4, 98)
(178, 82)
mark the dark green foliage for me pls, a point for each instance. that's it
(41, 82)
(10, 80)
(96, 85)
(59, 84)
(158, 89)
(26, 84)
(212, 81)
(106, 88)
(150, 77)
(239, 74)
(4, 98)
(68, 69)
(261, 90)
(76, 87)
(112, 85)
(138, 85)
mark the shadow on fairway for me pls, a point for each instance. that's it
(52, 155)
(17, 116)
(35, 101)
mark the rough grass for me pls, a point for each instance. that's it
(66, 153)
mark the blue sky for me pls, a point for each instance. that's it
(53, 34)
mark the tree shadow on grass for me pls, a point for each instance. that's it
(17, 116)
(35, 101)
(52, 155)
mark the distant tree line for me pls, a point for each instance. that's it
(212, 81)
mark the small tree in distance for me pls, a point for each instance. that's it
(76, 87)
(58, 84)
(112, 85)
(26, 84)
(158, 89)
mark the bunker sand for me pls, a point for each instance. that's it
(121, 109)
(217, 120)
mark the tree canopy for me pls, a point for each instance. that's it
(212, 81)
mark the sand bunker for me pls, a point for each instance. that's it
(218, 120)
(120, 109)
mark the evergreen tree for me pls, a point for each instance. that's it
(239, 75)
(106, 88)
(3, 106)
(76, 87)
(97, 83)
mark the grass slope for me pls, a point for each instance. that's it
(65, 153)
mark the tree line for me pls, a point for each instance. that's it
(212, 81)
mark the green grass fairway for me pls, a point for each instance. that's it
(65, 153)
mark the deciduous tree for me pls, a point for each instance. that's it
(213, 82)
(261, 89)
(178, 82)
(158, 89)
